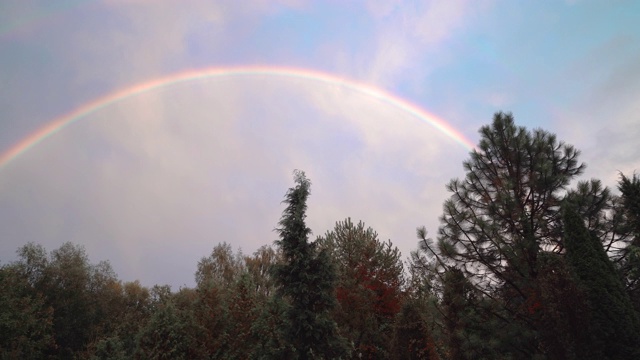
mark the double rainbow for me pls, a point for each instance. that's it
(82, 111)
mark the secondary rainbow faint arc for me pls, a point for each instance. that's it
(65, 120)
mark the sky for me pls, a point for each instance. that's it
(150, 131)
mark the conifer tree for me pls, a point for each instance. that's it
(630, 189)
(614, 323)
(412, 338)
(505, 210)
(502, 216)
(370, 278)
(630, 226)
(306, 280)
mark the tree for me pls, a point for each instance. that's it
(370, 277)
(306, 281)
(472, 329)
(503, 215)
(506, 208)
(629, 211)
(221, 268)
(171, 333)
(615, 324)
(110, 348)
(630, 189)
(25, 321)
(82, 295)
(259, 268)
(242, 315)
(565, 322)
(136, 311)
(269, 331)
(413, 334)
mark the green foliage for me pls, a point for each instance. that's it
(25, 321)
(499, 220)
(370, 277)
(259, 267)
(221, 268)
(564, 315)
(136, 310)
(472, 326)
(269, 331)
(84, 297)
(505, 209)
(306, 281)
(630, 189)
(413, 332)
(110, 348)
(629, 224)
(242, 314)
(171, 333)
(615, 325)
(213, 316)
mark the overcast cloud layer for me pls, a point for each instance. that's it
(153, 182)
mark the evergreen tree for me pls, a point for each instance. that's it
(630, 225)
(412, 338)
(471, 328)
(564, 320)
(503, 214)
(506, 208)
(630, 189)
(306, 280)
(370, 277)
(614, 323)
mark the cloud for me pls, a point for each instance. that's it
(153, 182)
(157, 180)
(413, 39)
(603, 120)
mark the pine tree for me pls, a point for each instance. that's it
(630, 189)
(614, 323)
(502, 215)
(306, 280)
(370, 278)
(506, 208)
(630, 226)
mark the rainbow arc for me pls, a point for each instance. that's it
(83, 111)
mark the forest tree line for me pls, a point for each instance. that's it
(529, 262)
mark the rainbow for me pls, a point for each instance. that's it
(82, 111)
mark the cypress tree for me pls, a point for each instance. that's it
(306, 281)
(614, 323)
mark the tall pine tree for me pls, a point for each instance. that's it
(306, 281)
